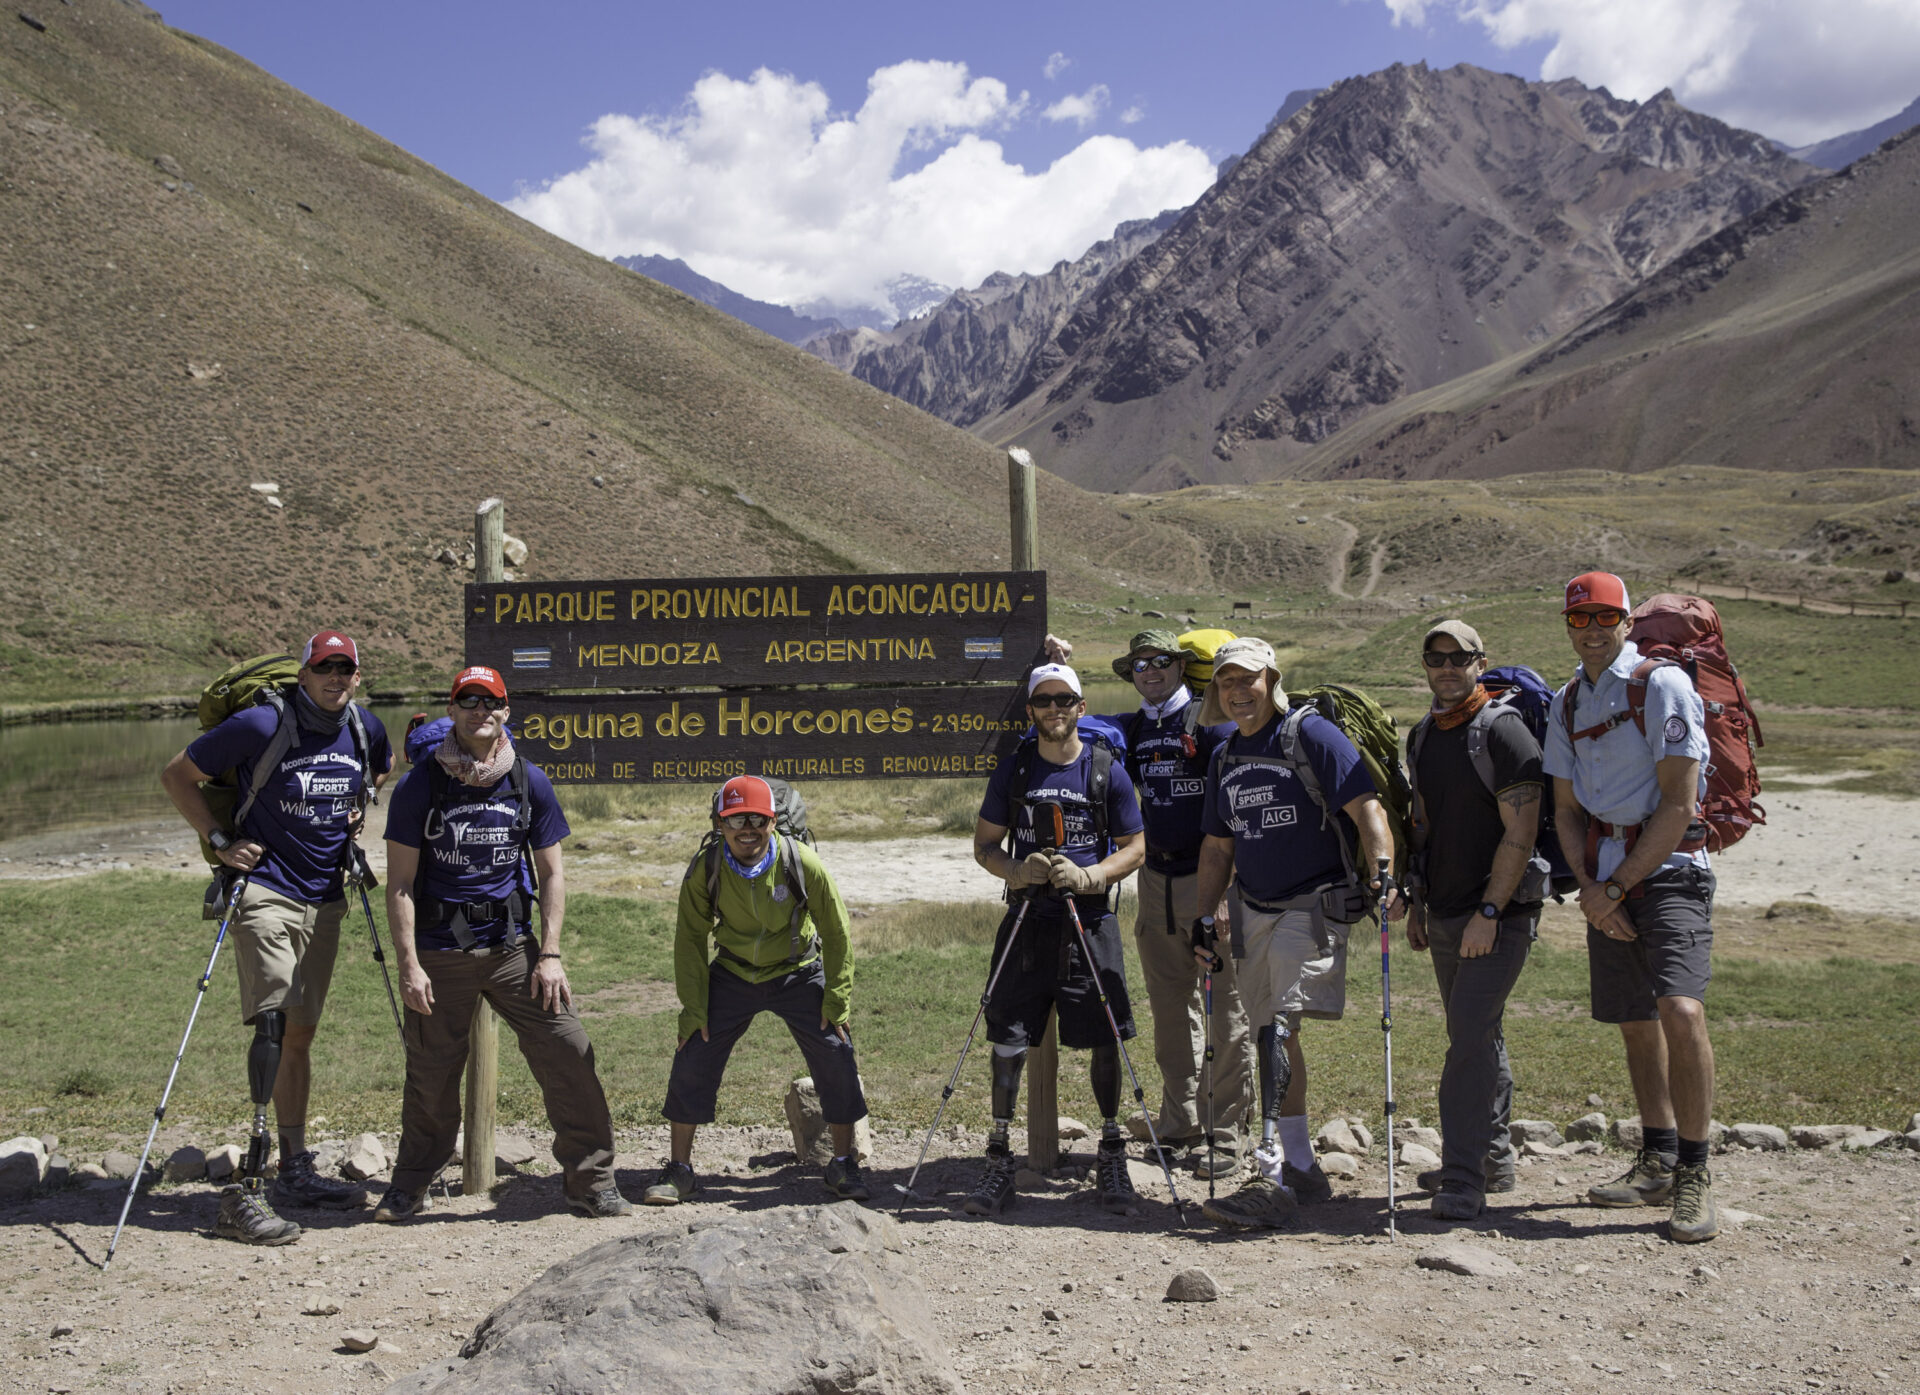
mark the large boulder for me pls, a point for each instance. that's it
(795, 1299)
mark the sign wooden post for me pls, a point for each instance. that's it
(483, 1043)
(1043, 1071)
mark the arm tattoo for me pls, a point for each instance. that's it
(1522, 847)
(1520, 796)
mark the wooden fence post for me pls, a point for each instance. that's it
(483, 1045)
(1043, 1065)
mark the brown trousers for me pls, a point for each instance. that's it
(556, 1049)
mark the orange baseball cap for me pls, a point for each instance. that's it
(745, 794)
(479, 676)
(1597, 588)
(329, 644)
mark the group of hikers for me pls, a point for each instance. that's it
(1261, 834)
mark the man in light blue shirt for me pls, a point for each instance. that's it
(1626, 743)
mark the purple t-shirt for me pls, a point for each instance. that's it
(305, 804)
(475, 855)
(1065, 785)
(1280, 848)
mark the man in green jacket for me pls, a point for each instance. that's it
(776, 930)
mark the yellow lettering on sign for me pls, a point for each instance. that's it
(633, 724)
(806, 717)
(523, 613)
(826, 723)
(1001, 601)
(795, 649)
(861, 592)
(605, 724)
(543, 606)
(603, 605)
(779, 605)
(835, 605)
(926, 649)
(903, 719)
(682, 604)
(668, 723)
(816, 651)
(780, 720)
(762, 724)
(914, 602)
(502, 603)
(534, 728)
(793, 599)
(878, 719)
(773, 652)
(712, 656)
(836, 651)
(693, 724)
(938, 606)
(731, 718)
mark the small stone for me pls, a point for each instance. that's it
(223, 1162)
(1050, 1315)
(1469, 1260)
(91, 1172)
(1705, 1271)
(119, 1165)
(1580, 1271)
(512, 1150)
(1072, 1129)
(1866, 1138)
(1419, 1156)
(1067, 1287)
(1586, 1146)
(1532, 1148)
(188, 1164)
(1429, 1138)
(1716, 1133)
(359, 1339)
(1824, 1135)
(1626, 1132)
(1193, 1286)
(61, 1329)
(1595, 1101)
(1340, 1165)
(1913, 1124)
(320, 1310)
(1026, 1179)
(1535, 1131)
(50, 1142)
(1363, 1133)
(366, 1157)
(1734, 1216)
(1913, 1140)
(264, 487)
(1764, 1137)
(515, 550)
(1337, 1136)
(1587, 1126)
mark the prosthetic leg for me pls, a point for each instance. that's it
(1276, 1076)
(245, 1213)
(995, 1187)
(1115, 1186)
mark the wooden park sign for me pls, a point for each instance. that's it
(937, 627)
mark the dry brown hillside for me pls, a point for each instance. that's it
(208, 281)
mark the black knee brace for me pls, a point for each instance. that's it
(1006, 1083)
(263, 1057)
(1105, 1075)
(1276, 1071)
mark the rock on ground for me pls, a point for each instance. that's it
(1535, 1131)
(1865, 1138)
(223, 1162)
(1073, 1130)
(366, 1159)
(119, 1165)
(1193, 1286)
(812, 1140)
(188, 1164)
(1470, 1260)
(1340, 1165)
(23, 1165)
(1766, 1137)
(1825, 1135)
(1587, 1127)
(792, 1299)
(1626, 1132)
(513, 1150)
(1337, 1136)
(1418, 1155)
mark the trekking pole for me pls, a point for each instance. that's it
(1386, 1027)
(953, 1081)
(1206, 1066)
(160, 1110)
(360, 877)
(1139, 1095)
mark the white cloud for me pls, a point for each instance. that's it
(1791, 69)
(759, 184)
(1080, 107)
(1056, 64)
(1133, 115)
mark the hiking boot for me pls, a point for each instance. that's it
(1261, 1202)
(845, 1180)
(1309, 1187)
(400, 1204)
(1456, 1201)
(1649, 1182)
(994, 1190)
(1178, 1152)
(1499, 1179)
(604, 1203)
(673, 1186)
(245, 1215)
(299, 1185)
(1117, 1196)
(1224, 1160)
(1695, 1218)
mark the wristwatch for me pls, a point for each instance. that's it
(219, 841)
(1489, 910)
(1615, 891)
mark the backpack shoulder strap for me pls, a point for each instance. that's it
(1417, 738)
(1099, 781)
(1477, 732)
(1293, 752)
(1193, 717)
(270, 756)
(363, 752)
(789, 858)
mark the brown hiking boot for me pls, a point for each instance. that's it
(1261, 1202)
(246, 1215)
(1649, 1182)
(1695, 1218)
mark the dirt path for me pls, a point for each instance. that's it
(1337, 568)
(1810, 1287)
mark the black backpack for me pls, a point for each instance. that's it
(789, 820)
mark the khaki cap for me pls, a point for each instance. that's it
(1460, 632)
(1247, 653)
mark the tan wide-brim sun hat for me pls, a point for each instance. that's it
(1247, 653)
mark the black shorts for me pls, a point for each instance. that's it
(1671, 958)
(1047, 970)
(798, 998)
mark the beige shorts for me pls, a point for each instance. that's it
(1287, 970)
(284, 951)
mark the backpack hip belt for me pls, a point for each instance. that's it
(1341, 898)
(1174, 864)
(461, 916)
(1629, 833)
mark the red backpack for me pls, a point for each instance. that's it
(1685, 631)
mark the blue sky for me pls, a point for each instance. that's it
(956, 139)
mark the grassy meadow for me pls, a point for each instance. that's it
(1825, 1040)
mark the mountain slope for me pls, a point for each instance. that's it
(1402, 229)
(212, 281)
(1837, 152)
(1788, 341)
(962, 361)
(776, 320)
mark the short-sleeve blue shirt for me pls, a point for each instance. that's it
(305, 804)
(1613, 774)
(1172, 784)
(1066, 785)
(1280, 848)
(475, 855)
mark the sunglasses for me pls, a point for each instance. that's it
(1605, 619)
(335, 666)
(468, 701)
(1459, 658)
(738, 822)
(1046, 700)
(1160, 661)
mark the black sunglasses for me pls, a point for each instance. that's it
(1053, 699)
(333, 666)
(1605, 619)
(468, 701)
(1459, 658)
(741, 821)
(1160, 661)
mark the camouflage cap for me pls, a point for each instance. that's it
(1156, 641)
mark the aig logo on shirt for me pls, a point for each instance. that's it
(1182, 788)
(1276, 818)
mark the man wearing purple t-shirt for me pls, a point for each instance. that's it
(462, 829)
(300, 814)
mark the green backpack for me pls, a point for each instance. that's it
(268, 679)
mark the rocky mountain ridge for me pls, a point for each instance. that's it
(1837, 152)
(777, 320)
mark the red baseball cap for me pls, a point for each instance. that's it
(746, 794)
(329, 644)
(479, 676)
(1597, 588)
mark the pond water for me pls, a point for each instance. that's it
(60, 775)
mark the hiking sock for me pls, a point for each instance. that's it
(1692, 1153)
(1295, 1142)
(293, 1142)
(1665, 1142)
